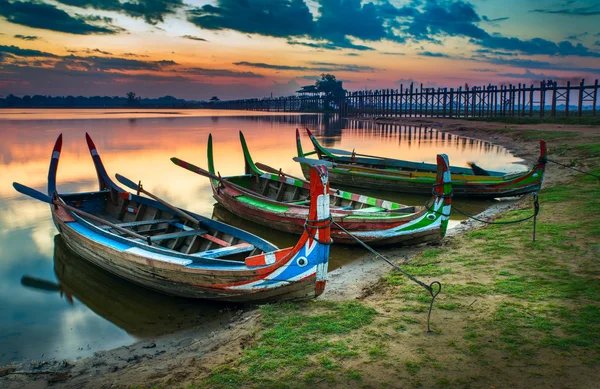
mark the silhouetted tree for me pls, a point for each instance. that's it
(332, 88)
(132, 99)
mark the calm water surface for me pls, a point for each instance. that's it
(55, 305)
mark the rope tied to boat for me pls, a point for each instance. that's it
(575, 169)
(311, 224)
(442, 195)
(434, 288)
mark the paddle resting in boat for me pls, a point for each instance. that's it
(366, 171)
(282, 202)
(177, 252)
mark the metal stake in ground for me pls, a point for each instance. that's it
(433, 288)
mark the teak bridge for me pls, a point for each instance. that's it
(548, 99)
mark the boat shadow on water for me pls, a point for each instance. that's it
(139, 311)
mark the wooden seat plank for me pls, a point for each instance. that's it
(224, 251)
(140, 223)
(206, 236)
(178, 234)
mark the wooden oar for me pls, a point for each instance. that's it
(311, 161)
(132, 185)
(42, 197)
(198, 170)
(275, 171)
(46, 286)
(40, 284)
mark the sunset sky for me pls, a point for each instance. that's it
(195, 49)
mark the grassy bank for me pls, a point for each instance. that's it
(512, 312)
(571, 120)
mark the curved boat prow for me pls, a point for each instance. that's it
(209, 155)
(250, 167)
(442, 191)
(318, 148)
(104, 181)
(318, 225)
(543, 159)
(54, 166)
(299, 150)
(308, 260)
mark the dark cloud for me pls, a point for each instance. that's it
(353, 54)
(576, 37)
(262, 65)
(136, 55)
(543, 65)
(27, 37)
(194, 38)
(536, 46)
(48, 17)
(333, 67)
(101, 52)
(445, 18)
(436, 55)
(152, 11)
(222, 73)
(391, 53)
(90, 51)
(25, 52)
(485, 18)
(483, 70)
(339, 23)
(494, 52)
(330, 45)
(278, 18)
(529, 75)
(592, 10)
(597, 43)
(369, 22)
(91, 63)
(315, 66)
(166, 62)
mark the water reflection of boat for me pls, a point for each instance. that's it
(180, 253)
(368, 171)
(139, 311)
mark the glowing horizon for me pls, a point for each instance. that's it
(197, 49)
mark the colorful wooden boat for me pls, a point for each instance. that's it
(156, 245)
(365, 171)
(281, 202)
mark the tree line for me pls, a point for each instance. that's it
(131, 100)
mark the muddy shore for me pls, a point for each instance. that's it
(173, 357)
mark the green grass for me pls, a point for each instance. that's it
(295, 338)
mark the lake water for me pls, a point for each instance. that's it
(55, 305)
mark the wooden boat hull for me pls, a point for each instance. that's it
(251, 197)
(89, 224)
(429, 226)
(174, 279)
(521, 184)
(419, 182)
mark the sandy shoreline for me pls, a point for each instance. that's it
(174, 356)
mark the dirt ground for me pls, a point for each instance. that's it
(176, 359)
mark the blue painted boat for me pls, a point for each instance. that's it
(149, 243)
